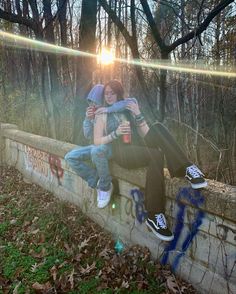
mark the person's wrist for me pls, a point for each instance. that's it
(114, 135)
(141, 124)
(139, 115)
(117, 133)
(139, 120)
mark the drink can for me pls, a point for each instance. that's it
(126, 138)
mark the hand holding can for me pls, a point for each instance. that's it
(94, 108)
(126, 138)
(90, 113)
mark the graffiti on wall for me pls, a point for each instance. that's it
(140, 211)
(36, 160)
(55, 167)
(131, 207)
(195, 198)
(42, 163)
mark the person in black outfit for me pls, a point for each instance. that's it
(146, 150)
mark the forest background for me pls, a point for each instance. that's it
(44, 93)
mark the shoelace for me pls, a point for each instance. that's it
(161, 220)
(194, 171)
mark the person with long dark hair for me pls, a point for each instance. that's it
(148, 147)
(91, 162)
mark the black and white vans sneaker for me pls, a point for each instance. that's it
(195, 177)
(159, 227)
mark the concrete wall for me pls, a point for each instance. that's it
(204, 249)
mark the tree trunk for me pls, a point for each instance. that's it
(163, 73)
(55, 87)
(48, 104)
(85, 65)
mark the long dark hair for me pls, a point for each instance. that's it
(116, 87)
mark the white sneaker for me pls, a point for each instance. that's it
(104, 197)
(98, 190)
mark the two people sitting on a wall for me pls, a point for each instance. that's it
(97, 175)
(123, 135)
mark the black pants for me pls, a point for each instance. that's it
(150, 153)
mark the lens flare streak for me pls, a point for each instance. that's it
(17, 41)
(179, 68)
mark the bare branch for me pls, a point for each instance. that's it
(29, 22)
(153, 25)
(167, 4)
(202, 27)
(116, 21)
(133, 22)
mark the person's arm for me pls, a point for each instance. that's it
(142, 128)
(99, 129)
(88, 128)
(120, 105)
(88, 122)
(141, 124)
(116, 107)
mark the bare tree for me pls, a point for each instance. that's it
(85, 65)
(165, 49)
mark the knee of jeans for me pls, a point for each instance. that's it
(99, 151)
(76, 154)
(67, 156)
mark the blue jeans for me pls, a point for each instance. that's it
(91, 164)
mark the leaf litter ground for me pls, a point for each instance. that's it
(50, 246)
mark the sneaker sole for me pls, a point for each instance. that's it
(163, 238)
(103, 205)
(199, 186)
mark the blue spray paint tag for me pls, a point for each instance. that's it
(140, 212)
(196, 199)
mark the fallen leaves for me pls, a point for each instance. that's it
(83, 244)
(172, 285)
(41, 288)
(66, 251)
(88, 269)
(71, 279)
(15, 291)
(41, 254)
(53, 272)
(34, 232)
(13, 221)
(125, 284)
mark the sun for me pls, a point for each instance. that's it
(106, 57)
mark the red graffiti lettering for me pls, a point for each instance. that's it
(55, 166)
